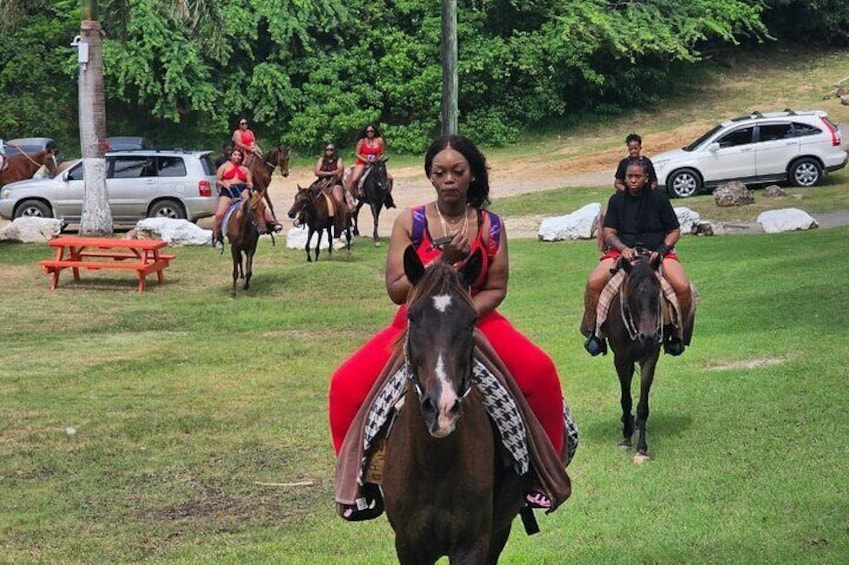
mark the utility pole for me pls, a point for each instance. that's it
(450, 79)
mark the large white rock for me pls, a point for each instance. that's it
(786, 219)
(175, 232)
(689, 219)
(296, 238)
(31, 229)
(580, 224)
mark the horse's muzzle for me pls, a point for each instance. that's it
(441, 421)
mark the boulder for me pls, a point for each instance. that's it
(176, 232)
(296, 238)
(689, 219)
(580, 224)
(733, 193)
(774, 191)
(32, 229)
(786, 219)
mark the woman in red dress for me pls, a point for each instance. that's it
(449, 229)
(370, 146)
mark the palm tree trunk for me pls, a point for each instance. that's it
(96, 215)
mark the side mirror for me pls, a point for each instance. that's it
(713, 147)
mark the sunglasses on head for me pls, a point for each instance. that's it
(369, 131)
(243, 123)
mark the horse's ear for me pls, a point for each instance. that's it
(413, 266)
(471, 269)
(625, 264)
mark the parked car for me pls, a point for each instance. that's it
(758, 148)
(141, 183)
(25, 145)
(127, 143)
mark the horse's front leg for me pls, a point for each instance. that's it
(375, 212)
(237, 268)
(249, 268)
(625, 370)
(646, 378)
(307, 248)
(330, 241)
(355, 217)
(414, 554)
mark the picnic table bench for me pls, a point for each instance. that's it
(93, 253)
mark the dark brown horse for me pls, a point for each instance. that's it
(312, 208)
(634, 328)
(24, 166)
(243, 235)
(446, 490)
(262, 168)
(375, 188)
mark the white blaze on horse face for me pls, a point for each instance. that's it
(446, 419)
(442, 302)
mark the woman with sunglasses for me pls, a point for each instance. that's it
(369, 148)
(245, 139)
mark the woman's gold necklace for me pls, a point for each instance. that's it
(445, 224)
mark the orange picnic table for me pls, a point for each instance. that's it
(93, 253)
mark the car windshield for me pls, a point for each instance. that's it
(700, 140)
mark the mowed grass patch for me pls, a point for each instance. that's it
(181, 426)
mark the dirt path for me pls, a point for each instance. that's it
(412, 188)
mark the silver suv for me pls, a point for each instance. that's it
(758, 148)
(141, 183)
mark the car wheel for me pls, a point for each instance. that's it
(806, 172)
(168, 209)
(33, 209)
(684, 183)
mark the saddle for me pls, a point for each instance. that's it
(680, 322)
(520, 433)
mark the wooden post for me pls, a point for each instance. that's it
(450, 79)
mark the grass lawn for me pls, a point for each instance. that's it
(180, 426)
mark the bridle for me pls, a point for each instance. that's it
(627, 315)
(416, 381)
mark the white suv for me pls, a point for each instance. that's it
(141, 183)
(759, 148)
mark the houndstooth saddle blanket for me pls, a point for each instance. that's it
(497, 401)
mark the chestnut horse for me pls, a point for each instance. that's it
(24, 166)
(311, 207)
(375, 188)
(243, 235)
(445, 488)
(634, 328)
(262, 169)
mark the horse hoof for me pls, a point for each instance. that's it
(625, 444)
(640, 458)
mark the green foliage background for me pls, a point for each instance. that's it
(308, 71)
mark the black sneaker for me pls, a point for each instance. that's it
(595, 345)
(672, 345)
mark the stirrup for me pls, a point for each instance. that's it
(595, 345)
(673, 346)
(368, 507)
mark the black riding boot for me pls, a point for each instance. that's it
(389, 202)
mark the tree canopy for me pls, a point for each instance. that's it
(308, 71)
